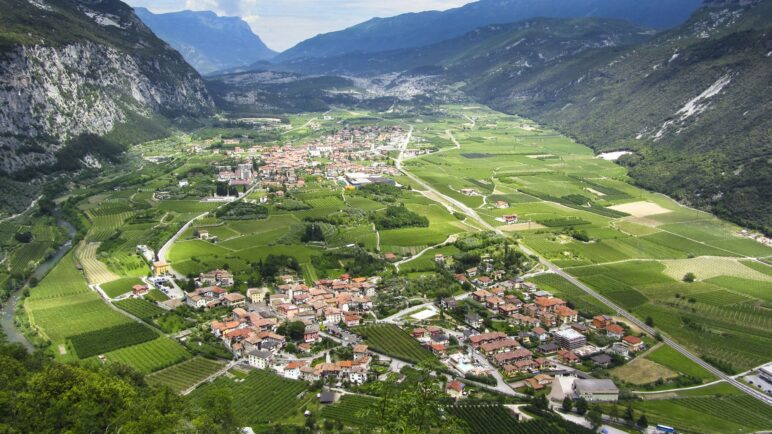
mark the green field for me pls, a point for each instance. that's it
(670, 358)
(350, 410)
(63, 279)
(140, 308)
(61, 317)
(393, 341)
(186, 374)
(149, 356)
(120, 286)
(713, 414)
(637, 261)
(261, 398)
(559, 287)
(486, 419)
(112, 338)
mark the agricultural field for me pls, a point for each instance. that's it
(149, 356)
(643, 371)
(64, 279)
(260, 397)
(349, 410)
(486, 419)
(668, 357)
(183, 375)
(394, 342)
(120, 286)
(631, 245)
(140, 308)
(110, 338)
(95, 270)
(710, 414)
(27, 256)
(492, 418)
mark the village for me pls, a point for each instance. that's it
(300, 331)
(351, 156)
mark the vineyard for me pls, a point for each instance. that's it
(349, 409)
(496, 419)
(393, 341)
(186, 374)
(150, 356)
(140, 308)
(486, 419)
(111, 338)
(156, 295)
(27, 256)
(742, 410)
(260, 398)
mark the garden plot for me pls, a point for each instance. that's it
(641, 209)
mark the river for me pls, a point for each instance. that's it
(10, 330)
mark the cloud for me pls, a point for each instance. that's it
(284, 23)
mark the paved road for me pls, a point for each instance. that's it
(557, 270)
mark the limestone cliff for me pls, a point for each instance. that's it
(70, 67)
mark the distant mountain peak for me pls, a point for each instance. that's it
(206, 40)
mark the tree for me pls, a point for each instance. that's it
(23, 237)
(568, 404)
(629, 414)
(541, 402)
(294, 330)
(581, 406)
(413, 410)
(595, 416)
(650, 321)
(642, 421)
(689, 277)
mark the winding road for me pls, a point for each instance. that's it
(445, 200)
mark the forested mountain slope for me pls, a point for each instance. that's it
(425, 28)
(694, 103)
(70, 69)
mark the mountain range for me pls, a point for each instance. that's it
(692, 102)
(207, 41)
(425, 28)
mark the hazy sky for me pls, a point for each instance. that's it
(283, 23)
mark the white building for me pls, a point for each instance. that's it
(596, 390)
(259, 359)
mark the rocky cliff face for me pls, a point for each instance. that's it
(56, 84)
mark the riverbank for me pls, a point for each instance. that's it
(7, 320)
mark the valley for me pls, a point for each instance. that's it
(287, 204)
(509, 216)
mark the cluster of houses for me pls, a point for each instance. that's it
(330, 302)
(549, 327)
(241, 175)
(352, 371)
(348, 151)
